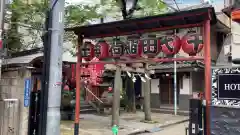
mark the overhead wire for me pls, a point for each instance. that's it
(176, 5)
(161, 1)
(54, 4)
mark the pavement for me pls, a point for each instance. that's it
(130, 123)
(178, 129)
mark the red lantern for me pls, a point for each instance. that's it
(87, 50)
(150, 46)
(170, 44)
(192, 44)
(117, 48)
(101, 49)
(133, 47)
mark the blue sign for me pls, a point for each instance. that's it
(27, 89)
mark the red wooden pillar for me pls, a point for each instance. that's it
(207, 61)
(78, 83)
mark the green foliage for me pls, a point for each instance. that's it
(80, 14)
(150, 8)
(31, 18)
(27, 16)
(27, 22)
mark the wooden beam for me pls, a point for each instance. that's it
(124, 68)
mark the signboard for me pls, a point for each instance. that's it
(229, 86)
(225, 111)
(27, 89)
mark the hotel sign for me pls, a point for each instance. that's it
(229, 86)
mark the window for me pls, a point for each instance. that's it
(228, 3)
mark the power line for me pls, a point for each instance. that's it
(54, 4)
(168, 5)
(176, 5)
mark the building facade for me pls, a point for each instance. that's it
(190, 76)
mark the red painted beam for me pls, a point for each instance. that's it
(147, 60)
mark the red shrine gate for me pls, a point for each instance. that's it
(150, 45)
(92, 76)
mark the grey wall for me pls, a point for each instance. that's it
(184, 102)
(12, 87)
(155, 100)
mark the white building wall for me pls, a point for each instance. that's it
(155, 86)
(186, 89)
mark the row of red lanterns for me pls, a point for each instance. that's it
(149, 46)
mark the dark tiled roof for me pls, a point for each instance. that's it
(146, 24)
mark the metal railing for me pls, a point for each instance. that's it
(9, 117)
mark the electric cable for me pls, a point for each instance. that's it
(54, 4)
(176, 5)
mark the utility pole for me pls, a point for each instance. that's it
(55, 67)
(2, 14)
(52, 70)
(2, 17)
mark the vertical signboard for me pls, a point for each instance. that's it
(225, 85)
(27, 90)
(229, 86)
(225, 109)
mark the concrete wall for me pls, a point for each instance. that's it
(214, 48)
(155, 97)
(185, 93)
(12, 86)
(197, 81)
